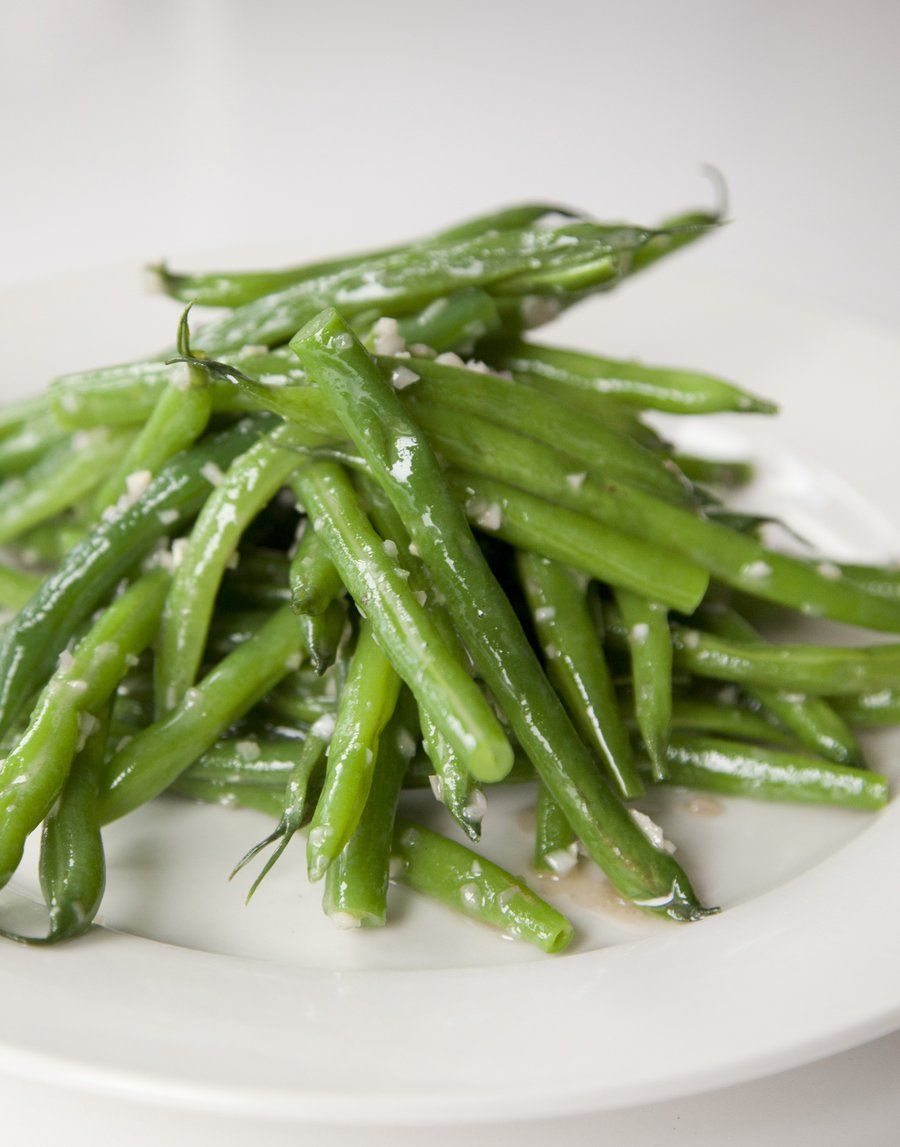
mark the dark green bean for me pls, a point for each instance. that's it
(314, 581)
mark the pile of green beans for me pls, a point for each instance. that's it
(361, 535)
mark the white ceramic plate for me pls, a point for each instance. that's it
(187, 997)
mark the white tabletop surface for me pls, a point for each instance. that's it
(138, 130)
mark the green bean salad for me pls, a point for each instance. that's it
(363, 532)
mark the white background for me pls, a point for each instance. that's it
(135, 130)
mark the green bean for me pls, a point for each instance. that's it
(739, 769)
(261, 798)
(127, 393)
(365, 706)
(146, 766)
(461, 879)
(234, 288)
(250, 760)
(402, 623)
(650, 646)
(729, 721)
(411, 278)
(540, 527)
(72, 865)
(812, 719)
(176, 422)
(30, 644)
(580, 379)
(322, 634)
(16, 586)
(35, 771)
(821, 670)
(451, 782)
(584, 438)
(250, 484)
(357, 881)
(314, 581)
(870, 710)
(28, 444)
(293, 799)
(405, 467)
(715, 471)
(61, 479)
(734, 558)
(555, 845)
(557, 599)
(454, 322)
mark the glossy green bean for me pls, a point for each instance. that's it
(405, 467)
(33, 774)
(251, 482)
(650, 647)
(574, 662)
(523, 260)
(555, 845)
(451, 782)
(812, 719)
(30, 644)
(314, 581)
(258, 797)
(146, 766)
(365, 706)
(586, 439)
(822, 670)
(578, 378)
(356, 884)
(461, 879)
(402, 622)
(72, 864)
(738, 769)
(541, 527)
(734, 558)
(234, 288)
